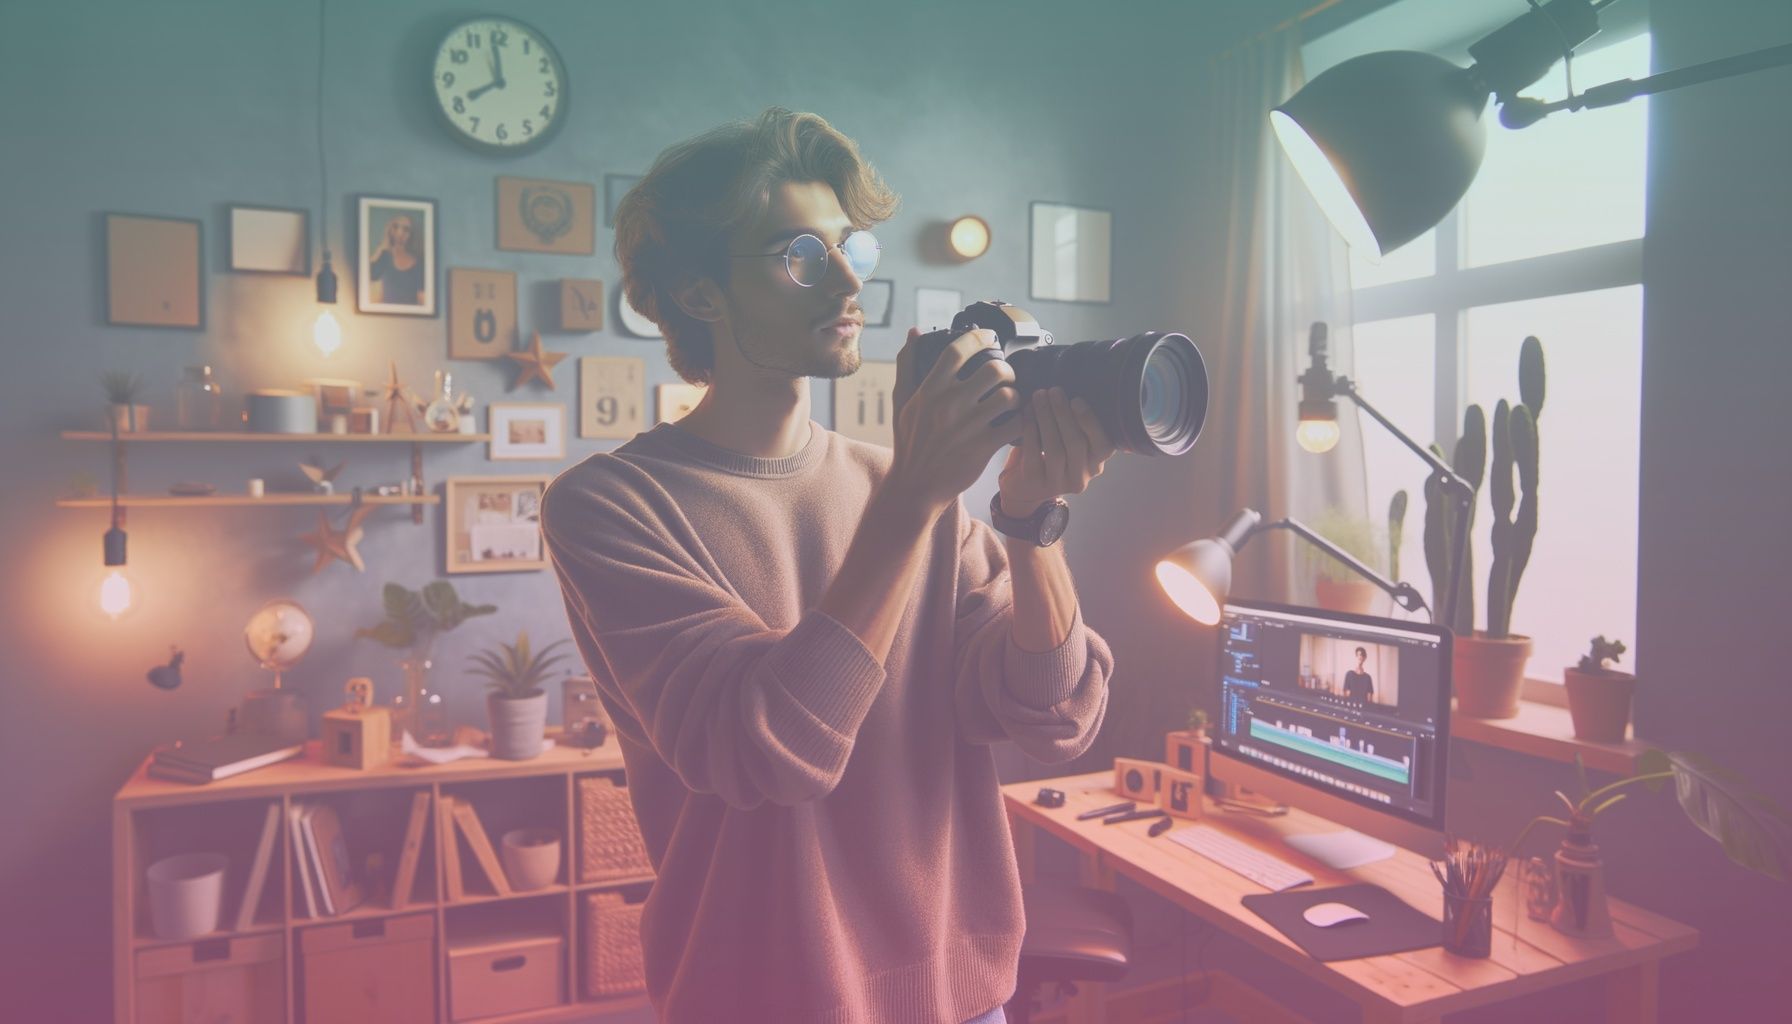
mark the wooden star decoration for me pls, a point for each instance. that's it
(397, 402)
(535, 363)
(338, 545)
(322, 479)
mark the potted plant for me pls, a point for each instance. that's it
(127, 417)
(1599, 695)
(517, 703)
(1488, 665)
(1755, 832)
(1183, 748)
(414, 618)
(1335, 585)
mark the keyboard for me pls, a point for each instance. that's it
(1269, 872)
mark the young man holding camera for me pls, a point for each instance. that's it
(806, 643)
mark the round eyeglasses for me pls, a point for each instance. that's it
(806, 257)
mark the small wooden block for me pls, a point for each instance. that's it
(1184, 751)
(1137, 779)
(581, 305)
(360, 738)
(1179, 793)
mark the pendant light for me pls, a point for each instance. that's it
(326, 333)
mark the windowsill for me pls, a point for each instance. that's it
(1547, 731)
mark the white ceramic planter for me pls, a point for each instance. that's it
(517, 725)
(185, 892)
(531, 858)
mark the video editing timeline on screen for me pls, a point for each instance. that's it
(1270, 713)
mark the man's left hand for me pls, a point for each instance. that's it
(1062, 448)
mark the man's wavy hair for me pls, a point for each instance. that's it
(675, 225)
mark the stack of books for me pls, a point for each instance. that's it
(327, 876)
(202, 761)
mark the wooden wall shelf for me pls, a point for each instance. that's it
(152, 818)
(218, 435)
(243, 500)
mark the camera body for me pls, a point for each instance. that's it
(1149, 390)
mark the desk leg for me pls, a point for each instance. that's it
(1089, 1005)
(1630, 994)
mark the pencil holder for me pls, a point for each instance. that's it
(1468, 925)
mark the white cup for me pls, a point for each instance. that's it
(256, 487)
(185, 892)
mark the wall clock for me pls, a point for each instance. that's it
(499, 85)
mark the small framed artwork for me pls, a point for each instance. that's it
(494, 523)
(481, 313)
(396, 265)
(862, 404)
(875, 298)
(547, 216)
(935, 307)
(581, 305)
(612, 397)
(1071, 253)
(634, 323)
(675, 401)
(153, 271)
(526, 430)
(269, 240)
(615, 187)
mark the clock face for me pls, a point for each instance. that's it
(499, 84)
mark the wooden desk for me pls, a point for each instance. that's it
(1421, 985)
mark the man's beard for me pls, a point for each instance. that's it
(808, 362)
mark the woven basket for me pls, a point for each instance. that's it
(610, 844)
(612, 945)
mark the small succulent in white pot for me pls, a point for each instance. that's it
(517, 703)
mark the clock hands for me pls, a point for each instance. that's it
(496, 62)
(496, 83)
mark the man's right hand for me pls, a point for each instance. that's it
(943, 433)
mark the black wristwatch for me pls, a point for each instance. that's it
(1043, 527)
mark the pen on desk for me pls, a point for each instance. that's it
(1158, 828)
(1149, 812)
(1102, 812)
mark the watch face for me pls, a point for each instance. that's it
(1057, 518)
(499, 85)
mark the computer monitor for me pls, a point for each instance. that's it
(1346, 716)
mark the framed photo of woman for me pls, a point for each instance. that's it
(396, 262)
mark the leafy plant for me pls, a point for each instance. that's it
(121, 386)
(1355, 535)
(414, 618)
(1603, 651)
(1197, 720)
(513, 670)
(1754, 831)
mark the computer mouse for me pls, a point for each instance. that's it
(1327, 915)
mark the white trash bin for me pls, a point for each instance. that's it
(185, 893)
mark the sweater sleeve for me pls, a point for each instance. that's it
(748, 713)
(1049, 703)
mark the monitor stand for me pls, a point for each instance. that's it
(1341, 850)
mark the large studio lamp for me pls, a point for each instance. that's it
(1197, 577)
(1389, 142)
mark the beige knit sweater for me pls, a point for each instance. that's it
(829, 839)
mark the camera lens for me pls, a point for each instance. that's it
(1149, 390)
(1172, 394)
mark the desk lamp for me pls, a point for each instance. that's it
(1388, 142)
(1318, 433)
(1198, 576)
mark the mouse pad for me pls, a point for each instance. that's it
(1393, 927)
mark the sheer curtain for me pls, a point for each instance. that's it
(1285, 269)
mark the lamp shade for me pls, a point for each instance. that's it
(1387, 143)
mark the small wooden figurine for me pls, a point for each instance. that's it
(358, 734)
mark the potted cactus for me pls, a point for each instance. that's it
(1598, 695)
(1488, 665)
(127, 417)
(517, 703)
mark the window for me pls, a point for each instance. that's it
(1548, 242)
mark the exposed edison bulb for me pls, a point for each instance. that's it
(115, 592)
(1317, 436)
(326, 333)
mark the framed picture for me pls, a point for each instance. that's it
(494, 523)
(862, 403)
(581, 304)
(615, 187)
(675, 401)
(547, 216)
(526, 430)
(269, 240)
(395, 268)
(153, 271)
(612, 397)
(875, 299)
(481, 313)
(1071, 248)
(935, 307)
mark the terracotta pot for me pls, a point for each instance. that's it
(1488, 673)
(1358, 596)
(531, 858)
(1600, 703)
(131, 419)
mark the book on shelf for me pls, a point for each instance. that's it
(220, 757)
(405, 880)
(337, 868)
(294, 815)
(314, 862)
(481, 844)
(450, 848)
(256, 880)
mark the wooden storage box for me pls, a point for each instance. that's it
(505, 973)
(612, 964)
(382, 969)
(218, 981)
(610, 844)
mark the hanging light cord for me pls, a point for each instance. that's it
(323, 174)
